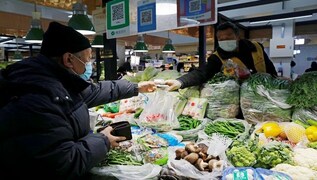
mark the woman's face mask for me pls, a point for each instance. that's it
(228, 45)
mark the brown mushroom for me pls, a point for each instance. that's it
(192, 158)
(202, 155)
(204, 147)
(200, 164)
(190, 147)
(218, 166)
(179, 153)
(184, 154)
(211, 164)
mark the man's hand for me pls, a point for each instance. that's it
(112, 139)
(173, 84)
(146, 86)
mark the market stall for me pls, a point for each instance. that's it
(193, 133)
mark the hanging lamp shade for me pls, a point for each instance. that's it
(17, 56)
(35, 34)
(80, 20)
(140, 46)
(168, 47)
(97, 42)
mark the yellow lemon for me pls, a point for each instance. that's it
(311, 133)
(271, 129)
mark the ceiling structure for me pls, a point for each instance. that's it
(243, 12)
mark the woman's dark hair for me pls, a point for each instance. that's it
(293, 63)
(228, 25)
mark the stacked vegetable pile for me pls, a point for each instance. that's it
(256, 155)
(231, 128)
(303, 97)
(222, 93)
(197, 156)
(263, 98)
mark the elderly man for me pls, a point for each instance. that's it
(44, 119)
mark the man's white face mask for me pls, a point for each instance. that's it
(228, 45)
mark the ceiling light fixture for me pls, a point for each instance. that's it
(80, 20)
(140, 45)
(35, 34)
(299, 41)
(97, 42)
(168, 48)
(281, 19)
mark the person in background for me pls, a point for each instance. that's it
(248, 56)
(293, 74)
(124, 68)
(313, 67)
(44, 119)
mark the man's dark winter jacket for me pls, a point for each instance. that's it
(44, 120)
(214, 64)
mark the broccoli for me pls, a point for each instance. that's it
(240, 156)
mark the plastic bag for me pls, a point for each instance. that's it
(223, 99)
(272, 175)
(157, 156)
(195, 107)
(203, 136)
(159, 113)
(262, 105)
(305, 114)
(243, 173)
(192, 135)
(147, 171)
(183, 168)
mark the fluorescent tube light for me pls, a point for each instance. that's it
(299, 41)
(281, 19)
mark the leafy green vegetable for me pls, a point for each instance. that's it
(148, 73)
(223, 99)
(167, 74)
(219, 78)
(303, 91)
(193, 91)
(267, 81)
(272, 154)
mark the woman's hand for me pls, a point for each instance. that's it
(146, 86)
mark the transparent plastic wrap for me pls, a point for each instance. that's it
(232, 128)
(183, 168)
(192, 134)
(241, 173)
(305, 114)
(159, 112)
(223, 99)
(146, 171)
(262, 104)
(195, 107)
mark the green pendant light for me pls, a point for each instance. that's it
(80, 20)
(140, 46)
(168, 48)
(35, 34)
(97, 42)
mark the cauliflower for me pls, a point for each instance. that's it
(296, 172)
(305, 158)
